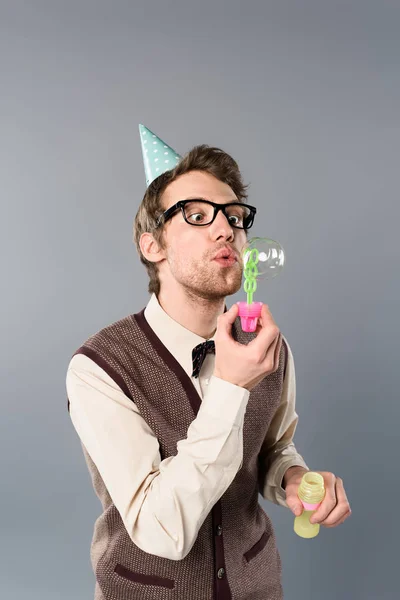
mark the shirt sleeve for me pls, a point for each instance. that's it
(278, 451)
(163, 503)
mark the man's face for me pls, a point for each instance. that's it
(190, 250)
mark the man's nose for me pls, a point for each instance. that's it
(221, 226)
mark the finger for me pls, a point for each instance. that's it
(272, 356)
(268, 332)
(329, 502)
(340, 491)
(260, 321)
(277, 352)
(274, 351)
(335, 518)
(259, 325)
(293, 502)
(342, 510)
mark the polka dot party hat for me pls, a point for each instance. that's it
(158, 157)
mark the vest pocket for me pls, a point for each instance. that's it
(258, 546)
(144, 579)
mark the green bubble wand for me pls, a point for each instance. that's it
(250, 274)
(250, 311)
(262, 257)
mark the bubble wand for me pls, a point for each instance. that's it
(262, 257)
(250, 311)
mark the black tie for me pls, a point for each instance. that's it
(199, 354)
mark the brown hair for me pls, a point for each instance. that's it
(200, 158)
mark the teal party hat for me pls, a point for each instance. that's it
(158, 157)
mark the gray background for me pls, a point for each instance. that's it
(305, 95)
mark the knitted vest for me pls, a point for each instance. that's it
(235, 556)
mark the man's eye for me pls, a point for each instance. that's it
(195, 215)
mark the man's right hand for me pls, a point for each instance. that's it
(246, 365)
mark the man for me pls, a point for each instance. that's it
(184, 418)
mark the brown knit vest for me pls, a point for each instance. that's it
(235, 556)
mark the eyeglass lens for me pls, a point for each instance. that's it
(198, 212)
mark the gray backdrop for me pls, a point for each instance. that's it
(305, 95)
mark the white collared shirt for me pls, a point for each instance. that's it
(126, 451)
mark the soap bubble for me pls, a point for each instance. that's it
(262, 258)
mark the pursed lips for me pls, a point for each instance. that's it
(226, 253)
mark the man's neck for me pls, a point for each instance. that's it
(199, 315)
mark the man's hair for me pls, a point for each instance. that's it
(200, 158)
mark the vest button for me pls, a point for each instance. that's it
(221, 573)
(219, 529)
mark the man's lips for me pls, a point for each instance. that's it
(226, 253)
(226, 262)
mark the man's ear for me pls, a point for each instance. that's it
(150, 248)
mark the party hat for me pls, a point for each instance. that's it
(158, 157)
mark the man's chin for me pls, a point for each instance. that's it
(219, 291)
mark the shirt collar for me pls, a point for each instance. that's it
(175, 337)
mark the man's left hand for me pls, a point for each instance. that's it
(334, 508)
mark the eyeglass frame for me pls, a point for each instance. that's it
(163, 218)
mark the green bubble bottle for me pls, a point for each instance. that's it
(311, 492)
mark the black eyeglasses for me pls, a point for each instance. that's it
(199, 212)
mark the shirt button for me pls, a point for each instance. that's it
(219, 529)
(221, 573)
(207, 380)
